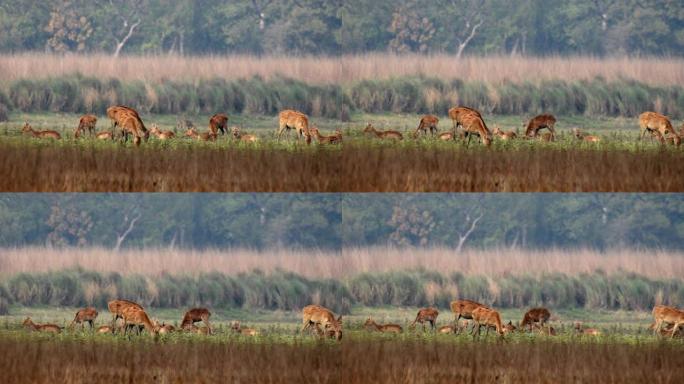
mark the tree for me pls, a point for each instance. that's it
(412, 33)
(120, 20)
(411, 226)
(69, 30)
(70, 225)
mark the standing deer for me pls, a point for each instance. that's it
(129, 122)
(332, 139)
(487, 317)
(47, 134)
(456, 115)
(291, 119)
(581, 136)
(393, 135)
(427, 122)
(49, 328)
(535, 315)
(473, 124)
(464, 309)
(659, 125)
(425, 315)
(663, 314)
(137, 317)
(315, 316)
(382, 328)
(540, 122)
(86, 122)
(116, 308)
(84, 315)
(194, 315)
(218, 122)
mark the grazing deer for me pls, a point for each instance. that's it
(533, 316)
(474, 125)
(161, 135)
(392, 135)
(540, 122)
(581, 136)
(483, 316)
(49, 328)
(509, 328)
(332, 139)
(580, 330)
(204, 136)
(129, 121)
(464, 309)
(237, 328)
(194, 315)
(86, 122)
(427, 122)
(424, 315)
(218, 122)
(315, 315)
(659, 125)
(291, 119)
(664, 314)
(456, 114)
(383, 328)
(47, 134)
(505, 136)
(164, 328)
(116, 308)
(136, 317)
(84, 315)
(106, 135)
(244, 137)
(664, 331)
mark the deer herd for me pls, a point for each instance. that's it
(323, 322)
(126, 121)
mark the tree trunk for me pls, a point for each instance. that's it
(120, 44)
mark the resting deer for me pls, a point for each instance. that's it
(534, 316)
(161, 135)
(49, 328)
(244, 137)
(332, 139)
(581, 136)
(237, 328)
(392, 135)
(425, 315)
(218, 122)
(47, 134)
(106, 135)
(427, 122)
(315, 315)
(204, 136)
(579, 329)
(84, 315)
(164, 328)
(85, 122)
(540, 122)
(383, 328)
(664, 314)
(505, 136)
(659, 125)
(664, 331)
(105, 329)
(488, 318)
(194, 315)
(464, 309)
(291, 119)
(447, 136)
(197, 330)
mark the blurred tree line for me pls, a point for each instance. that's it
(527, 27)
(333, 221)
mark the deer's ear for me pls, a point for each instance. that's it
(339, 319)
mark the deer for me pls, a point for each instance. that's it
(505, 136)
(332, 139)
(539, 122)
(47, 134)
(664, 331)
(84, 315)
(455, 328)
(237, 328)
(424, 315)
(659, 125)
(427, 122)
(464, 309)
(535, 315)
(663, 314)
(546, 137)
(106, 135)
(448, 136)
(49, 328)
(134, 316)
(218, 122)
(456, 114)
(392, 135)
(316, 315)
(116, 308)
(164, 328)
(85, 122)
(291, 119)
(588, 138)
(474, 125)
(489, 318)
(129, 121)
(204, 136)
(105, 329)
(161, 135)
(194, 315)
(183, 124)
(244, 137)
(382, 328)
(580, 330)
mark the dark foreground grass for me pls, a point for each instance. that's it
(355, 167)
(355, 360)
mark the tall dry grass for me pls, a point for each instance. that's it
(344, 69)
(346, 263)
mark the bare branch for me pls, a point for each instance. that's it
(463, 237)
(121, 237)
(120, 44)
(462, 46)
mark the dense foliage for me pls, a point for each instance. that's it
(532, 27)
(333, 221)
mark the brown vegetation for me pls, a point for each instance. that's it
(86, 122)
(383, 328)
(534, 316)
(389, 134)
(85, 315)
(315, 315)
(47, 134)
(540, 122)
(426, 315)
(291, 119)
(49, 328)
(194, 315)
(666, 315)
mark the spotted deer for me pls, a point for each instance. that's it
(539, 122)
(204, 136)
(291, 119)
(86, 122)
(391, 135)
(427, 122)
(194, 315)
(47, 134)
(332, 139)
(85, 315)
(659, 125)
(316, 315)
(48, 328)
(486, 317)
(425, 315)
(535, 315)
(383, 328)
(218, 122)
